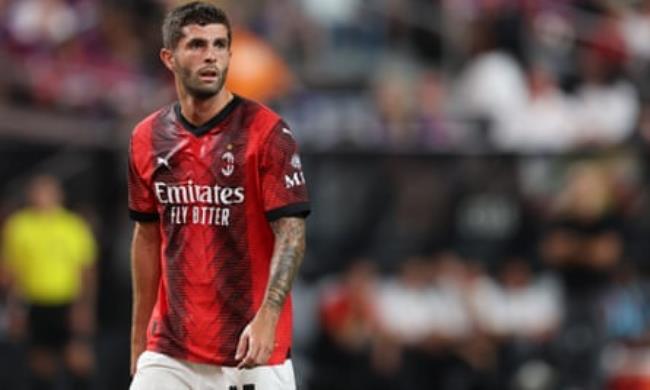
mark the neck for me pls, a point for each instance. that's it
(199, 111)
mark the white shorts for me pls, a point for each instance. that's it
(156, 371)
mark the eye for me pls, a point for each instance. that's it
(196, 44)
(221, 43)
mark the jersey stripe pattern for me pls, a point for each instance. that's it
(214, 191)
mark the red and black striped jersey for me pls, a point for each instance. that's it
(213, 190)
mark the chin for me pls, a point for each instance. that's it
(203, 93)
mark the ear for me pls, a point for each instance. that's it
(167, 58)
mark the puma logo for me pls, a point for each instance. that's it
(163, 162)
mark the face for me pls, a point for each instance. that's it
(45, 193)
(200, 60)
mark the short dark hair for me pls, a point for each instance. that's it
(196, 12)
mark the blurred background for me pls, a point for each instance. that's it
(478, 172)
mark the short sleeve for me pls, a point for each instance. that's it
(142, 204)
(284, 188)
(85, 243)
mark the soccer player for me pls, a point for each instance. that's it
(218, 194)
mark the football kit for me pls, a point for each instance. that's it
(213, 190)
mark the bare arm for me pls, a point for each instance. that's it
(287, 257)
(83, 311)
(16, 313)
(145, 269)
(257, 341)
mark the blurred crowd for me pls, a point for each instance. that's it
(482, 272)
(510, 75)
(478, 170)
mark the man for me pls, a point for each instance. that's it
(218, 195)
(49, 255)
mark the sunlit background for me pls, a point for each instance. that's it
(478, 171)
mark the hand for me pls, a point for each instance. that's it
(82, 319)
(80, 357)
(137, 348)
(257, 341)
(17, 317)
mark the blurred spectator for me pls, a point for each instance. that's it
(289, 29)
(626, 311)
(607, 105)
(519, 304)
(552, 38)
(626, 308)
(395, 104)
(432, 117)
(256, 71)
(44, 23)
(583, 241)
(521, 311)
(423, 313)
(583, 244)
(49, 255)
(345, 348)
(544, 123)
(492, 85)
(414, 310)
(635, 25)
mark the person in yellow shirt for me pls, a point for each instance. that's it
(48, 256)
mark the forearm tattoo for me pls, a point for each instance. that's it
(287, 256)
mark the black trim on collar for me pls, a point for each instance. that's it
(209, 125)
(301, 210)
(143, 217)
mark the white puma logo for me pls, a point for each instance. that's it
(163, 162)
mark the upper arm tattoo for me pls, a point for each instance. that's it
(287, 256)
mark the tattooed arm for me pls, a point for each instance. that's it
(257, 340)
(287, 257)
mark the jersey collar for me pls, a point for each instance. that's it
(209, 125)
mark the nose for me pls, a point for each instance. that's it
(210, 56)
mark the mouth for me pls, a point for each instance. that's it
(209, 75)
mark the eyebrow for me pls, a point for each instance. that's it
(196, 40)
